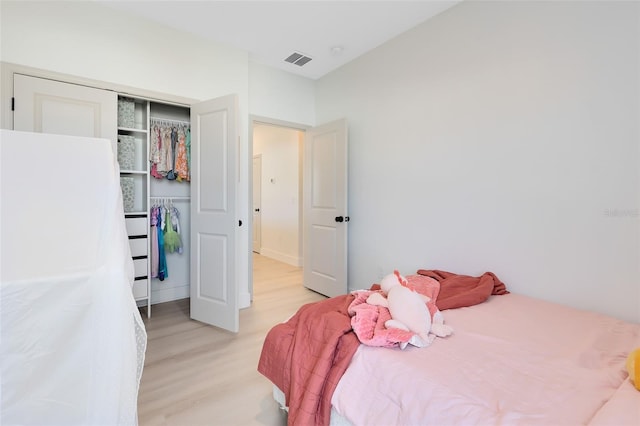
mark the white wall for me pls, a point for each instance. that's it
(504, 137)
(279, 149)
(92, 41)
(278, 94)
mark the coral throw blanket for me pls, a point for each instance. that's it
(306, 356)
(457, 291)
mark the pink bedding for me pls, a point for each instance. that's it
(368, 321)
(622, 409)
(457, 291)
(511, 360)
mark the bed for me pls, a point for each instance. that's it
(72, 339)
(512, 359)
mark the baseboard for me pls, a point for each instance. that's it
(169, 294)
(177, 293)
(184, 292)
(281, 257)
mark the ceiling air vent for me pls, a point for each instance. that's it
(297, 59)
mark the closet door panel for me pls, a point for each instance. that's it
(215, 171)
(49, 106)
(51, 113)
(214, 222)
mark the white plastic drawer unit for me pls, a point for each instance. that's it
(140, 267)
(140, 289)
(136, 226)
(138, 247)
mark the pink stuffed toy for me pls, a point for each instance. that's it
(410, 310)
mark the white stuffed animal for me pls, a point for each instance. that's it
(409, 310)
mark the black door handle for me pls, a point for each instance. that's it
(256, 210)
(339, 219)
(239, 223)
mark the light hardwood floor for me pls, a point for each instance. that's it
(195, 374)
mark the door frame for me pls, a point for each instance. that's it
(257, 119)
(257, 157)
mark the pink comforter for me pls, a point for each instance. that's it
(512, 360)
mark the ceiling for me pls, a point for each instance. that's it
(331, 33)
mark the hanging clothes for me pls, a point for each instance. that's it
(154, 151)
(166, 161)
(164, 219)
(154, 258)
(182, 167)
(162, 259)
(172, 240)
(170, 150)
(175, 221)
(171, 174)
(188, 145)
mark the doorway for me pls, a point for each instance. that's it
(320, 239)
(277, 192)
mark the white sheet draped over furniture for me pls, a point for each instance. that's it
(72, 340)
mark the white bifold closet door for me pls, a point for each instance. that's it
(49, 106)
(214, 219)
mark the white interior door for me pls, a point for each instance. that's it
(325, 209)
(214, 176)
(257, 197)
(49, 106)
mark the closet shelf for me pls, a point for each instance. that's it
(133, 172)
(170, 197)
(154, 120)
(131, 129)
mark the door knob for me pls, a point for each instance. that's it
(339, 219)
(256, 210)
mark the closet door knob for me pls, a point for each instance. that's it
(339, 219)
(239, 223)
(257, 210)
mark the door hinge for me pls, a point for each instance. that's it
(13, 103)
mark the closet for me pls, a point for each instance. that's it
(206, 268)
(153, 138)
